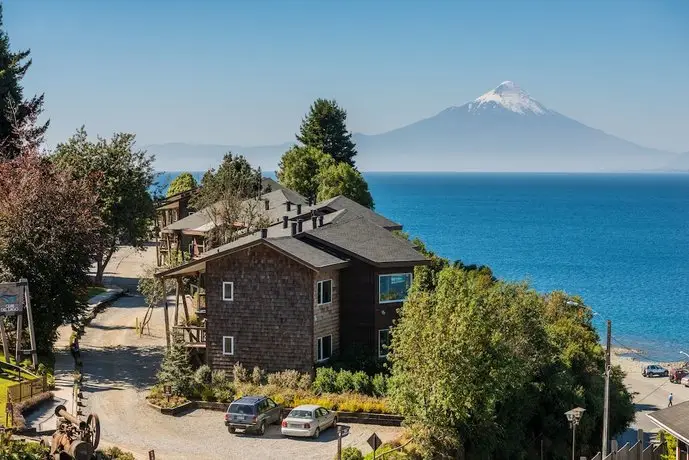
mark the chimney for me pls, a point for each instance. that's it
(284, 221)
(320, 221)
(298, 209)
(313, 221)
(264, 233)
(294, 228)
(267, 203)
(301, 227)
(289, 206)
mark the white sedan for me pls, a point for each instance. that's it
(685, 381)
(308, 421)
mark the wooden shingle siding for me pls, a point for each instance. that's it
(271, 316)
(327, 317)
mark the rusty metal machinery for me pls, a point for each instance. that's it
(74, 439)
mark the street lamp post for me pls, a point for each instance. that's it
(573, 417)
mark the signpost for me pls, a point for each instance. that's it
(151, 455)
(375, 442)
(15, 300)
(342, 431)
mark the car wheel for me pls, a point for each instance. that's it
(335, 422)
(231, 429)
(262, 429)
(665, 374)
(316, 433)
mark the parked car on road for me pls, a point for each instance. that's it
(252, 413)
(308, 421)
(685, 381)
(654, 370)
(677, 374)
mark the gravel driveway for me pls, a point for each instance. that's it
(119, 366)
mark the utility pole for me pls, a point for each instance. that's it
(606, 397)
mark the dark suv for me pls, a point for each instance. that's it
(252, 413)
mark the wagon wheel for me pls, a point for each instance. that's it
(93, 427)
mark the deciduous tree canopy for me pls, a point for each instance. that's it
(325, 128)
(490, 367)
(234, 176)
(343, 179)
(300, 169)
(49, 231)
(124, 176)
(181, 183)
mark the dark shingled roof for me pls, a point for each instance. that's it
(674, 419)
(353, 208)
(359, 237)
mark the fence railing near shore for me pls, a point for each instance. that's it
(633, 452)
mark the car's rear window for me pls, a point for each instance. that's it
(301, 414)
(244, 409)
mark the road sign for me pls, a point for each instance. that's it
(374, 441)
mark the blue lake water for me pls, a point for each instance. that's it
(621, 241)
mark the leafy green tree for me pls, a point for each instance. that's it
(181, 183)
(300, 169)
(531, 358)
(235, 176)
(18, 128)
(343, 179)
(325, 128)
(124, 176)
(49, 229)
(230, 194)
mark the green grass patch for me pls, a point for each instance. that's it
(93, 291)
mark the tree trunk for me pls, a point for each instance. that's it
(99, 272)
(101, 262)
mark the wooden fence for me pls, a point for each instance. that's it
(26, 390)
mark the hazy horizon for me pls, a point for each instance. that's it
(245, 73)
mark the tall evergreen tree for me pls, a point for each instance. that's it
(325, 128)
(18, 129)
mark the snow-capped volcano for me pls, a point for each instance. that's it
(510, 97)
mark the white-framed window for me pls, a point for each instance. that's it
(325, 348)
(228, 345)
(383, 342)
(228, 291)
(393, 287)
(325, 292)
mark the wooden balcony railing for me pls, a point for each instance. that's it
(192, 336)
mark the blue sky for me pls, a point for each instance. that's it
(245, 72)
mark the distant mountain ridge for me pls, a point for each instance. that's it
(504, 129)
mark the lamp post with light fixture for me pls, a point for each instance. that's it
(573, 417)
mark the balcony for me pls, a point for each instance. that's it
(192, 336)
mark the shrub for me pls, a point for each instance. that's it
(239, 373)
(352, 453)
(257, 376)
(285, 379)
(223, 395)
(379, 385)
(203, 375)
(362, 383)
(114, 453)
(325, 380)
(304, 381)
(219, 379)
(207, 394)
(344, 382)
